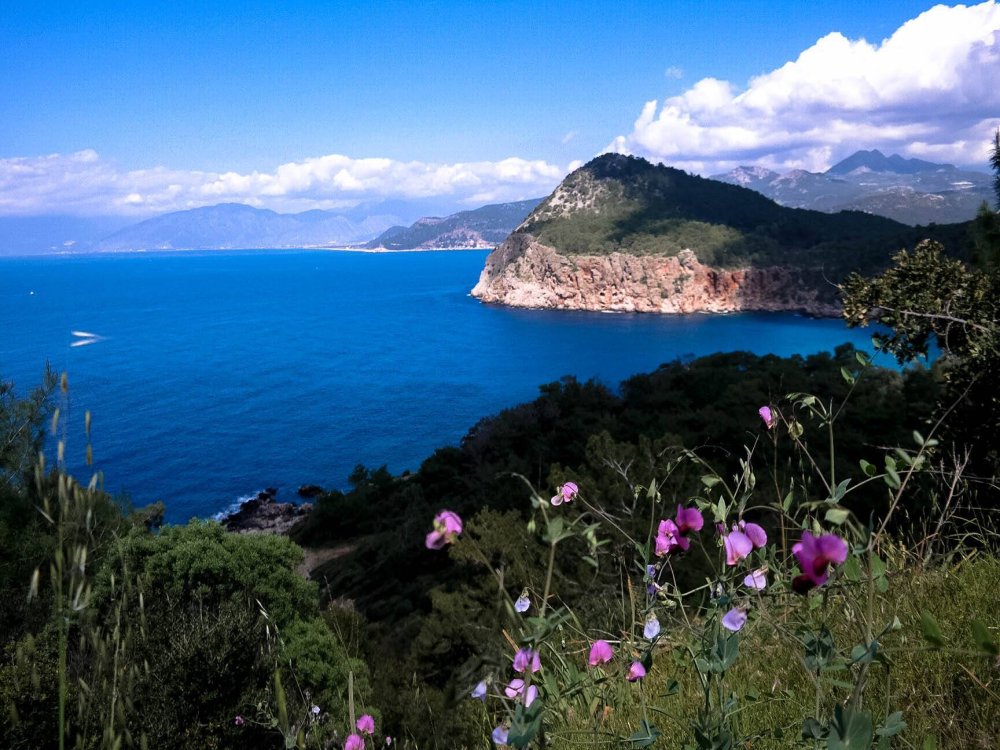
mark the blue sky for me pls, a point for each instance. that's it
(137, 108)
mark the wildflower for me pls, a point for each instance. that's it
(734, 619)
(756, 579)
(500, 735)
(769, 417)
(815, 555)
(738, 545)
(238, 721)
(600, 653)
(316, 710)
(515, 688)
(527, 657)
(754, 533)
(479, 691)
(565, 493)
(523, 602)
(689, 519)
(447, 527)
(667, 538)
(651, 587)
(636, 672)
(354, 742)
(652, 627)
(366, 724)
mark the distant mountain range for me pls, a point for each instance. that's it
(482, 227)
(911, 191)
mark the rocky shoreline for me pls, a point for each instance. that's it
(522, 272)
(264, 515)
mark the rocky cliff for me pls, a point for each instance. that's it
(522, 272)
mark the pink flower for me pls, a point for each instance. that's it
(527, 657)
(667, 538)
(447, 527)
(738, 545)
(815, 555)
(354, 742)
(516, 687)
(756, 534)
(565, 493)
(756, 579)
(238, 721)
(689, 519)
(366, 724)
(600, 653)
(734, 619)
(635, 672)
(769, 417)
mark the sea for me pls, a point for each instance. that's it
(212, 375)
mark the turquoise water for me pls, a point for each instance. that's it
(218, 374)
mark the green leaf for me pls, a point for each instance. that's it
(930, 629)
(812, 729)
(787, 502)
(847, 376)
(863, 359)
(983, 639)
(795, 429)
(837, 516)
(891, 477)
(918, 438)
(867, 468)
(930, 742)
(710, 480)
(673, 688)
(646, 735)
(851, 730)
(894, 724)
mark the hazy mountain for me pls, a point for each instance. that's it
(234, 225)
(912, 191)
(482, 227)
(43, 235)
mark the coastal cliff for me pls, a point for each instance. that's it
(621, 234)
(525, 273)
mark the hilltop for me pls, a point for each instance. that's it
(623, 234)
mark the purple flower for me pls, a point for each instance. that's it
(354, 742)
(565, 493)
(238, 721)
(667, 538)
(738, 545)
(769, 417)
(447, 527)
(815, 555)
(689, 519)
(479, 691)
(600, 653)
(523, 602)
(516, 687)
(755, 533)
(652, 627)
(635, 672)
(734, 619)
(756, 579)
(651, 586)
(366, 724)
(500, 736)
(527, 657)
(316, 710)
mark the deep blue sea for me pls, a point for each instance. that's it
(220, 373)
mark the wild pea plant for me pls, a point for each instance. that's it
(800, 568)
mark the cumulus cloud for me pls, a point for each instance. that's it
(929, 91)
(84, 184)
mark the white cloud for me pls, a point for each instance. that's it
(570, 136)
(929, 90)
(84, 184)
(674, 72)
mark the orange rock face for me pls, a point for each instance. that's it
(523, 273)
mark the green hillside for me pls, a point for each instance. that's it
(626, 204)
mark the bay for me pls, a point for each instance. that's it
(215, 374)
